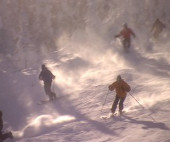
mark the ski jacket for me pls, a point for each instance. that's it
(121, 88)
(46, 76)
(157, 26)
(126, 33)
(1, 125)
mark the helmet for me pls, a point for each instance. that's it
(43, 67)
(119, 78)
(124, 25)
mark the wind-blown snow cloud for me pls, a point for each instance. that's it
(37, 124)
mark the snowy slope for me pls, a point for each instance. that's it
(75, 117)
(85, 62)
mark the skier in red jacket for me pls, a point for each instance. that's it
(125, 34)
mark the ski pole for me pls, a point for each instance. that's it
(141, 105)
(137, 101)
(105, 100)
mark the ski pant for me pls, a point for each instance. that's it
(126, 43)
(5, 136)
(47, 88)
(117, 100)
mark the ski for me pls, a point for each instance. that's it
(41, 102)
(110, 115)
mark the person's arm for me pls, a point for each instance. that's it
(118, 35)
(1, 124)
(51, 74)
(153, 26)
(40, 76)
(112, 86)
(163, 25)
(126, 87)
(131, 31)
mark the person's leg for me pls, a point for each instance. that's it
(6, 135)
(47, 88)
(53, 94)
(128, 43)
(114, 106)
(124, 43)
(121, 105)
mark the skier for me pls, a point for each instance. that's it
(125, 35)
(121, 88)
(46, 76)
(157, 28)
(4, 136)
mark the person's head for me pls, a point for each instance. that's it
(1, 113)
(43, 67)
(125, 25)
(119, 78)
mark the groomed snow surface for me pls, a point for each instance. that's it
(82, 85)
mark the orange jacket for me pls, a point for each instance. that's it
(121, 88)
(126, 33)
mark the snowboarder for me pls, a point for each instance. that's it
(46, 76)
(157, 28)
(121, 88)
(4, 136)
(125, 35)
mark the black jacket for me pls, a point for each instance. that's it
(46, 76)
(1, 125)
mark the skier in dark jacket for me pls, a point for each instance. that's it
(4, 136)
(157, 28)
(121, 88)
(46, 76)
